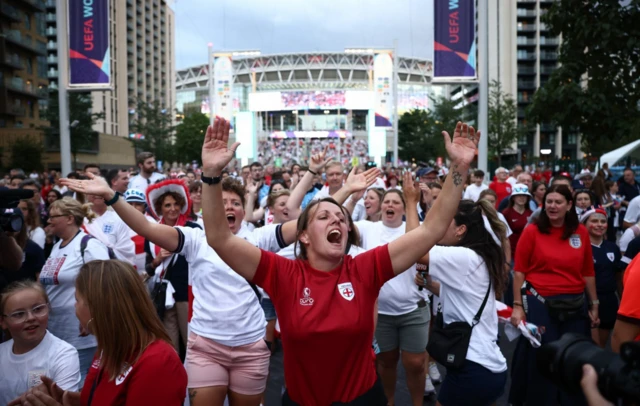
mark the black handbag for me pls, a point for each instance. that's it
(159, 292)
(449, 343)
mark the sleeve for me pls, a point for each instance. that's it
(465, 195)
(189, 240)
(626, 238)
(633, 211)
(631, 252)
(161, 381)
(629, 309)
(448, 264)
(38, 236)
(270, 272)
(587, 262)
(506, 223)
(95, 251)
(526, 245)
(66, 373)
(124, 247)
(377, 260)
(269, 238)
(618, 264)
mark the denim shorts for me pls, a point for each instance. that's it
(269, 310)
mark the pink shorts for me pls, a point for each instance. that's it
(243, 369)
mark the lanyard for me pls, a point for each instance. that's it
(94, 385)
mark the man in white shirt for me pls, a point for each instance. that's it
(633, 213)
(118, 180)
(148, 175)
(472, 192)
(513, 179)
(109, 229)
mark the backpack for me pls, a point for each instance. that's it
(83, 247)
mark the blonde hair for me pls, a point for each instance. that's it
(68, 206)
(19, 286)
(273, 197)
(498, 227)
(124, 320)
(332, 164)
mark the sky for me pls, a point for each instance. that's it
(287, 26)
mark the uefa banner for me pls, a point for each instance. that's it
(223, 85)
(89, 54)
(383, 84)
(454, 39)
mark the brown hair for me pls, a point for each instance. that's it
(271, 199)
(396, 191)
(143, 156)
(195, 185)
(33, 220)
(157, 204)
(124, 320)
(487, 192)
(19, 286)
(68, 206)
(231, 185)
(571, 222)
(303, 222)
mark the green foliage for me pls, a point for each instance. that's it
(596, 88)
(154, 122)
(29, 147)
(190, 136)
(82, 136)
(502, 126)
(420, 131)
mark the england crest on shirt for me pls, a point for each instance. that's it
(346, 291)
(575, 241)
(611, 256)
(107, 228)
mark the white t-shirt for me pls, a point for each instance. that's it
(633, 211)
(140, 183)
(399, 295)
(38, 236)
(110, 230)
(53, 358)
(59, 279)
(512, 180)
(225, 307)
(628, 235)
(464, 279)
(472, 192)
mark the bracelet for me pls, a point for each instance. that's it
(314, 173)
(113, 200)
(518, 304)
(211, 181)
(594, 302)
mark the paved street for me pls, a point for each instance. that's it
(402, 395)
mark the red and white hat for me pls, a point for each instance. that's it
(591, 211)
(172, 185)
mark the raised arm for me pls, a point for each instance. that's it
(159, 234)
(316, 164)
(355, 186)
(412, 195)
(242, 256)
(461, 150)
(251, 215)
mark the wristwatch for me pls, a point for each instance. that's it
(211, 181)
(594, 302)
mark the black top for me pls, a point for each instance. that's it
(32, 263)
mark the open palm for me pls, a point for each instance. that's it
(216, 153)
(362, 180)
(462, 148)
(95, 185)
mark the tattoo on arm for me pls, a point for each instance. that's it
(192, 395)
(457, 177)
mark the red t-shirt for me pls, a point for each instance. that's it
(629, 310)
(502, 189)
(326, 323)
(157, 378)
(552, 265)
(517, 223)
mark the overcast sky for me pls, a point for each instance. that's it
(281, 26)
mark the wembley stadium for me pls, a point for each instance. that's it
(299, 103)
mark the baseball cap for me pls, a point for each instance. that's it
(425, 171)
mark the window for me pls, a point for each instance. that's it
(41, 24)
(29, 65)
(42, 66)
(27, 22)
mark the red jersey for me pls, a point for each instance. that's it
(552, 265)
(517, 223)
(502, 189)
(157, 378)
(326, 323)
(629, 310)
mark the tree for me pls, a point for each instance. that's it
(82, 135)
(29, 147)
(153, 122)
(190, 136)
(420, 131)
(596, 88)
(502, 127)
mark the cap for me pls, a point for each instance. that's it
(591, 211)
(520, 189)
(134, 196)
(425, 171)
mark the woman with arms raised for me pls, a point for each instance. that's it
(325, 298)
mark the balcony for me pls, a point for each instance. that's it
(524, 98)
(50, 18)
(50, 3)
(526, 70)
(521, 113)
(36, 5)
(51, 31)
(14, 37)
(526, 84)
(547, 128)
(10, 109)
(547, 70)
(16, 85)
(52, 46)
(543, 27)
(526, 41)
(526, 13)
(549, 41)
(52, 59)
(527, 28)
(10, 12)
(526, 56)
(52, 73)
(549, 56)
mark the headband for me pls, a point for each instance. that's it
(593, 210)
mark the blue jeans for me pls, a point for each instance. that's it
(86, 358)
(473, 384)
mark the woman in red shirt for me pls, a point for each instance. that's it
(135, 363)
(554, 261)
(517, 214)
(325, 298)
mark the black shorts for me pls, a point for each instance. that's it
(373, 397)
(608, 309)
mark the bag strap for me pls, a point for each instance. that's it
(527, 287)
(164, 275)
(476, 318)
(83, 245)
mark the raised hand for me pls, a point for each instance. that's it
(411, 193)
(462, 148)
(361, 182)
(318, 161)
(95, 185)
(216, 153)
(252, 188)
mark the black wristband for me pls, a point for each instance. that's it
(314, 173)
(113, 200)
(211, 181)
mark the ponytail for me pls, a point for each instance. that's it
(497, 226)
(88, 213)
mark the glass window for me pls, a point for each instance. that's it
(41, 24)
(27, 22)
(42, 66)
(29, 65)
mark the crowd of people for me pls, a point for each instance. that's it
(137, 287)
(286, 152)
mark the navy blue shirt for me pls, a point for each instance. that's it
(606, 263)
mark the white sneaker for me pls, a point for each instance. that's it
(429, 389)
(434, 374)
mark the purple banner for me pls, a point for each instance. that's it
(454, 39)
(89, 55)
